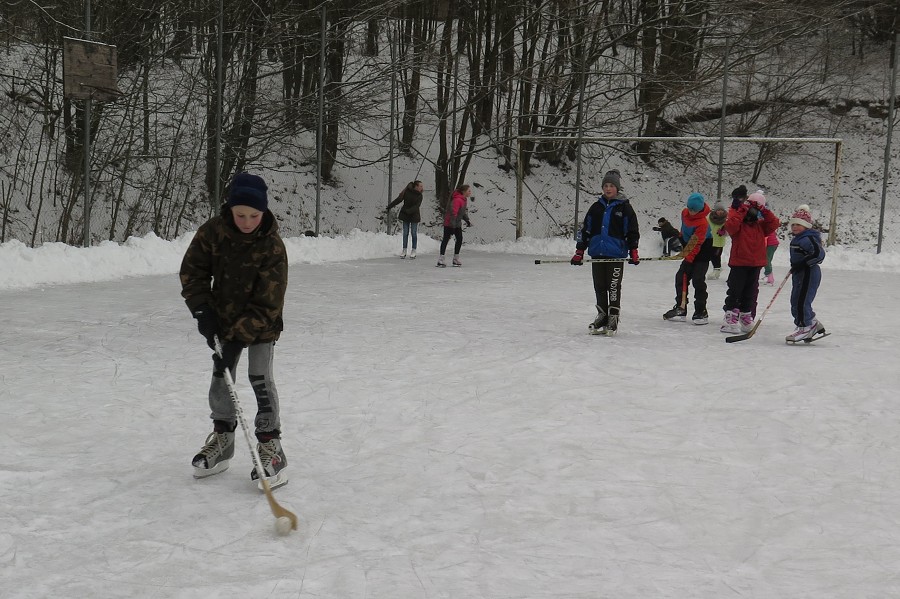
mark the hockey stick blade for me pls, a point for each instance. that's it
(743, 336)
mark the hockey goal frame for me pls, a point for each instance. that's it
(836, 141)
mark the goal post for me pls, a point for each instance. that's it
(835, 141)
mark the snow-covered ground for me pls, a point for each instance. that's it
(451, 433)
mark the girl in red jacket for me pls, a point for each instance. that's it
(748, 224)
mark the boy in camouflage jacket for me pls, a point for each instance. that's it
(234, 278)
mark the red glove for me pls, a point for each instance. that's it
(578, 258)
(634, 257)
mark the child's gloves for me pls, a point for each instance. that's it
(578, 258)
(207, 323)
(634, 258)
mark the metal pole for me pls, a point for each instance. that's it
(391, 137)
(887, 146)
(220, 83)
(832, 227)
(86, 235)
(580, 134)
(320, 132)
(722, 119)
(520, 176)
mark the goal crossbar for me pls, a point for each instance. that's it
(836, 141)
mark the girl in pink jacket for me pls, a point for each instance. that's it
(457, 214)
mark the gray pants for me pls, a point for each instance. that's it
(268, 416)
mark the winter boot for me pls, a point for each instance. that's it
(412, 254)
(403, 254)
(214, 455)
(770, 280)
(745, 321)
(271, 455)
(731, 322)
(700, 317)
(441, 261)
(715, 274)
(599, 323)
(676, 314)
(456, 261)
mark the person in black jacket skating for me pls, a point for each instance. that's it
(409, 215)
(610, 231)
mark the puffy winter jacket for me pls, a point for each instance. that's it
(695, 229)
(458, 211)
(241, 276)
(412, 202)
(748, 239)
(610, 228)
(807, 249)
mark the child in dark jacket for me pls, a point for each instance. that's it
(748, 224)
(233, 280)
(610, 231)
(696, 253)
(671, 238)
(807, 252)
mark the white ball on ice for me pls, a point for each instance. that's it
(283, 525)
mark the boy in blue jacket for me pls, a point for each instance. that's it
(807, 252)
(610, 231)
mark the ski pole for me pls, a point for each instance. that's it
(747, 335)
(606, 260)
(277, 510)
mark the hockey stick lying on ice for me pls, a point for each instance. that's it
(748, 334)
(586, 260)
(277, 510)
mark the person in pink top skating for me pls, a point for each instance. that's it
(457, 214)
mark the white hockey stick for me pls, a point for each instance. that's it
(277, 510)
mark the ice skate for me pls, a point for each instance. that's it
(215, 455)
(676, 314)
(715, 274)
(745, 320)
(440, 262)
(403, 254)
(598, 327)
(612, 323)
(412, 254)
(273, 461)
(731, 322)
(700, 317)
(456, 261)
(807, 334)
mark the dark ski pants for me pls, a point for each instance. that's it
(608, 284)
(692, 273)
(716, 259)
(805, 284)
(448, 233)
(260, 358)
(743, 288)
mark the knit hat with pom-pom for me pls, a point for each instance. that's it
(757, 197)
(802, 217)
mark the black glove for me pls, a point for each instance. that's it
(207, 323)
(230, 353)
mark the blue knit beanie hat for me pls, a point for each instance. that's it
(248, 190)
(695, 202)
